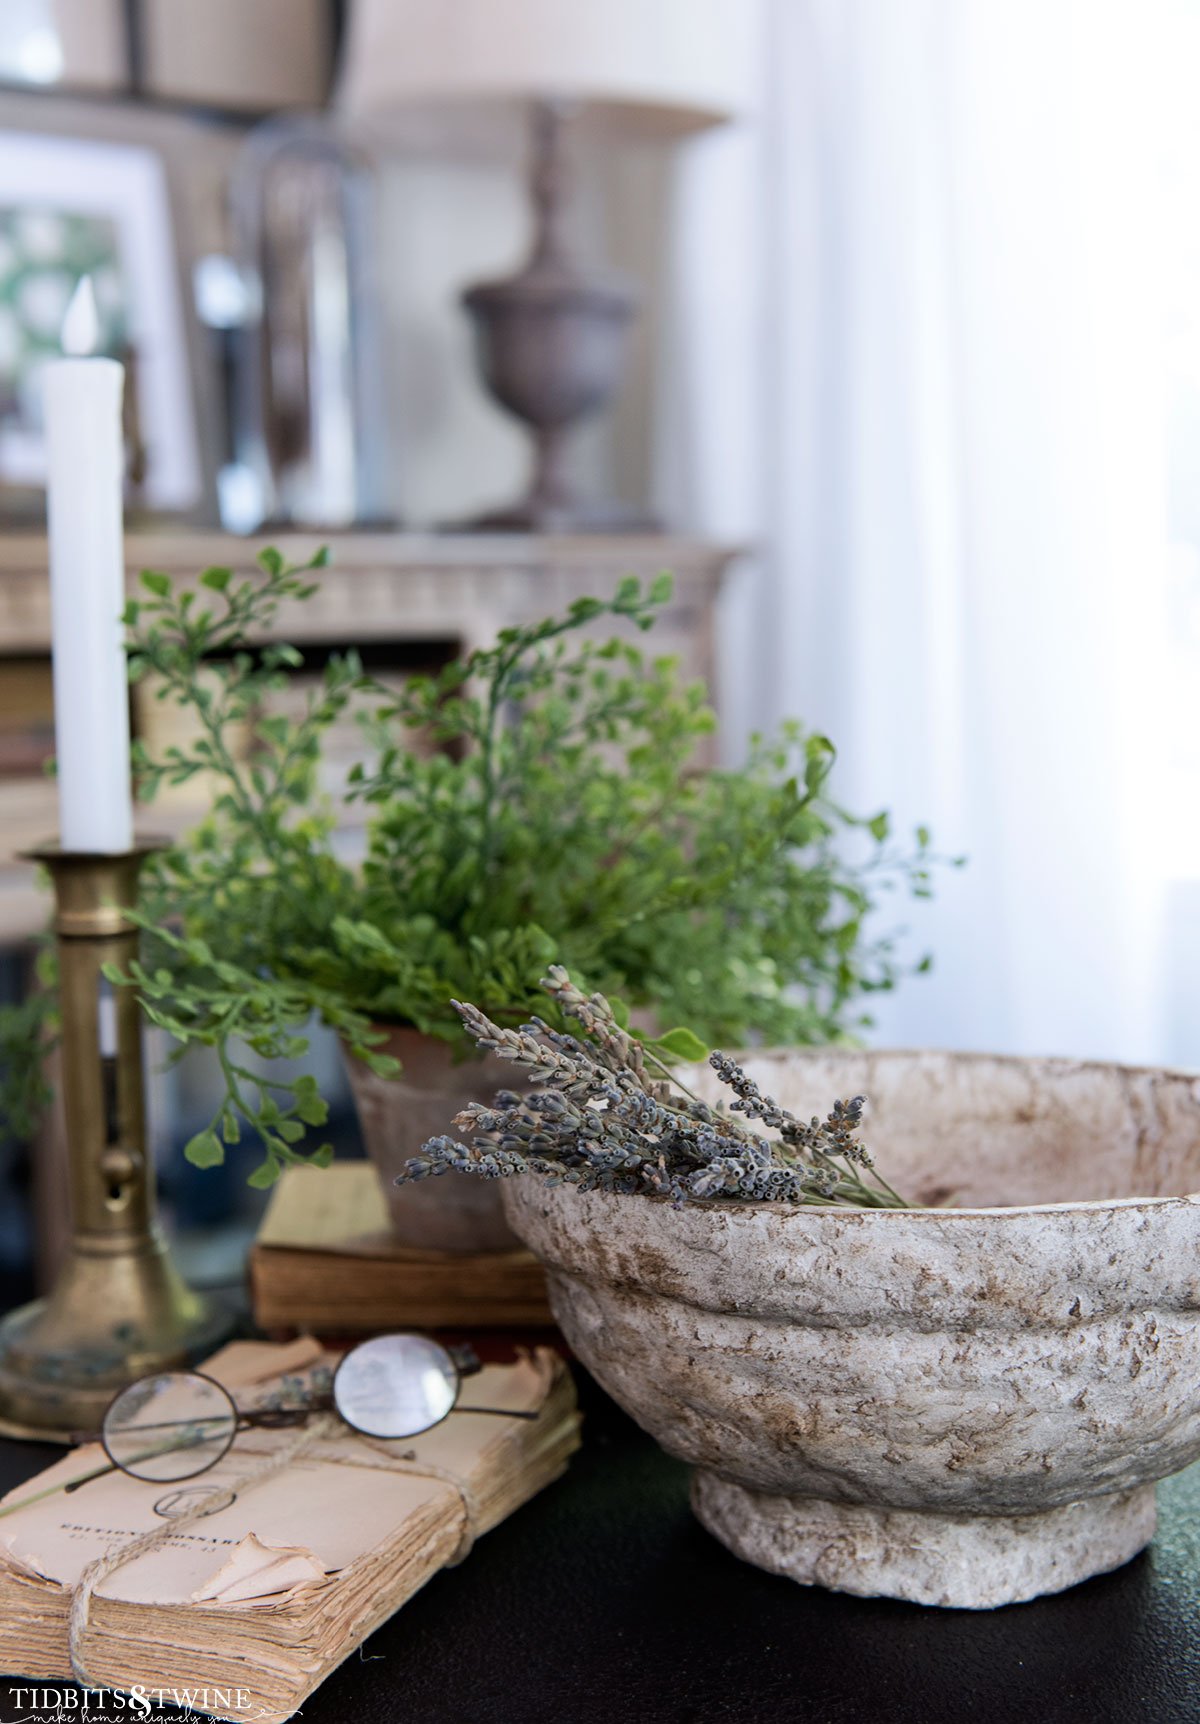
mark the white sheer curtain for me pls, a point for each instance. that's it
(916, 360)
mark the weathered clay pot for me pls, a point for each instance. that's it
(398, 1114)
(963, 1406)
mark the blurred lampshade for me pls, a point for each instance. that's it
(666, 66)
(255, 55)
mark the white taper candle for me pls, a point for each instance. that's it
(85, 468)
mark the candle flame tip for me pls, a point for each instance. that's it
(81, 325)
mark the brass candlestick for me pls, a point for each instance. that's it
(119, 1308)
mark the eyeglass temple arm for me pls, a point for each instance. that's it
(85, 1478)
(499, 1412)
(53, 1490)
(73, 1484)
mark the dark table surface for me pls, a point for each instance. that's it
(604, 1602)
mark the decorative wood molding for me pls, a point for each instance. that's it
(382, 586)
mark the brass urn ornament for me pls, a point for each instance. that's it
(119, 1308)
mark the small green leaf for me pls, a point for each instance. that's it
(205, 1150)
(216, 579)
(156, 583)
(818, 763)
(264, 1175)
(313, 1110)
(681, 1044)
(383, 1065)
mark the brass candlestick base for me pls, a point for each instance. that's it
(119, 1308)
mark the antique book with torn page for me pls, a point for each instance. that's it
(283, 1576)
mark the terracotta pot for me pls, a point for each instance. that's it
(959, 1406)
(397, 1115)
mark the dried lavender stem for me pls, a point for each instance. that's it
(599, 1118)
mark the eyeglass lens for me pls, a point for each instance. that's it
(169, 1427)
(395, 1386)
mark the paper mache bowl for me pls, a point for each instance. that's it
(966, 1404)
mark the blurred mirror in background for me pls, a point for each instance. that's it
(309, 429)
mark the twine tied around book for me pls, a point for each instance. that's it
(426, 1470)
(324, 1426)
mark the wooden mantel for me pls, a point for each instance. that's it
(384, 586)
(379, 587)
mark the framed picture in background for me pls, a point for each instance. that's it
(80, 206)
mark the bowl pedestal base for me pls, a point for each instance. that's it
(968, 1562)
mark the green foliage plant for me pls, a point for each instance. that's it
(557, 812)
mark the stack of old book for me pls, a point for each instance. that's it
(325, 1261)
(243, 1612)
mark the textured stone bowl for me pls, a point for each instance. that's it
(961, 1406)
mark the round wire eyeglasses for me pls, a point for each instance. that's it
(177, 1424)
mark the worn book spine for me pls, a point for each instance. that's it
(328, 1292)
